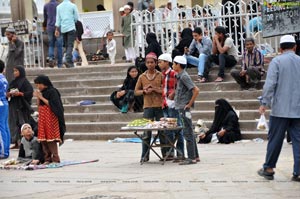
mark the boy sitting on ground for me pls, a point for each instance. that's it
(30, 149)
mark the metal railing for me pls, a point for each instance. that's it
(33, 46)
(235, 18)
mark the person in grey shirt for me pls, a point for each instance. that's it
(203, 45)
(15, 56)
(185, 95)
(281, 93)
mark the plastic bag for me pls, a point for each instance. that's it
(262, 123)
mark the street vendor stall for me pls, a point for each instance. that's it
(158, 128)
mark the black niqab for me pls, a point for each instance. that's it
(221, 110)
(153, 45)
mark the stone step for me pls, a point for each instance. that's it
(112, 135)
(111, 79)
(89, 76)
(82, 127)
(199, 105)
(205, 95)
(115, 116)
(78, 70)
(109, 88)
(104, 67)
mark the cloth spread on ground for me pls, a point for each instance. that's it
(15, 166)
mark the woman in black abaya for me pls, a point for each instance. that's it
(19, 95)
(225, 124)
(186, 40)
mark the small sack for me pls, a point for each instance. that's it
(262, 123)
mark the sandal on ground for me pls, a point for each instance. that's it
(267, 175)
(188, 162)
(296, 178)
(219, 79)
(178, 159)
(203, 80)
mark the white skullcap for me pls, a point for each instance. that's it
(121, 9)
(10, 29)
(127, 7)
(287, 39)
(24, 125)
(180, 60)
(165, 57)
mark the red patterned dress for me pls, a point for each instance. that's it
(48, 125)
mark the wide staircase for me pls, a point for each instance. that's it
(104, 121)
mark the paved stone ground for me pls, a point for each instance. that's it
(225, 171)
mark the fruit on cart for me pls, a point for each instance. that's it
(139, 122)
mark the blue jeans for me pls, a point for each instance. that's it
(69, 38)
(223, 60)
(276, 134)
(4, 129)
(188, 133)
(58, 41)
(154, 113)
(173, 113)
(197, 62)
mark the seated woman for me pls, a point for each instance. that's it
(30, 149)
(153, 46)
(124, 98)
(186, 40)
(225, 125)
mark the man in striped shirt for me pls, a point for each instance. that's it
(168, 104)
(252, 67)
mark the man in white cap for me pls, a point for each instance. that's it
(168, 104)
(15, 56)
(281, 93)
(185, 95)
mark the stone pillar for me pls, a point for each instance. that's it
(21, 10)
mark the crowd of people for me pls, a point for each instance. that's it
(163, 88)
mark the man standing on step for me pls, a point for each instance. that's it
(281, 93)
(49, 25)
(66, 17)
(224, 53)
(15, 56)
(252, 67)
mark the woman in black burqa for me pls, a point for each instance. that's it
(225, 124)
(186, 40)
(153, 46)
(19, 94)
(124, 98)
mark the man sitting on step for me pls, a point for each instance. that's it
(252, 67)
(224, 53)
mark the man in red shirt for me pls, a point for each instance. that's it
(168, 104)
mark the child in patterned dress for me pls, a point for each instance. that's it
(51, 125)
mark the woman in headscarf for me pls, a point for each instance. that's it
(124, 98)
(186, 40)
(225, 124)
(19, 96)
(153, 45)
(51, 125)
